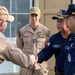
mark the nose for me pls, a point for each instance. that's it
(34, 17)
(58, 23)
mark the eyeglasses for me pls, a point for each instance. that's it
(3, 20)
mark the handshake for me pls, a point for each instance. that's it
(34, 60)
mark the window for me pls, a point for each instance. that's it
(20, 10)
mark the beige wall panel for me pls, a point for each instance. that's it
(73, 1)
(51, 24)
(55, 4)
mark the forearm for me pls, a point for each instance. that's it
(41, 57)
(16, 56)
(45, 54)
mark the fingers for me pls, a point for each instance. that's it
(34, 59)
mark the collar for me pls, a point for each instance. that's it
(30, 29)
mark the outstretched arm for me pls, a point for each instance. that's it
(9, 52)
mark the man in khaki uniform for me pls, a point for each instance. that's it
(31, 39)
(8, 51)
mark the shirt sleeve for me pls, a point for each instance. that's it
(46, 52)
(19, 41)
(9, 52)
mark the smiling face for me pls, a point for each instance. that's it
(70, 21)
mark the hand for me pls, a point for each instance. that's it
(34, 59)
(36, 65)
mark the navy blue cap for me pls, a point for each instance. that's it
(71, 10)
(60, 14)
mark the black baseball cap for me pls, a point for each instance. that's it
(71, 10)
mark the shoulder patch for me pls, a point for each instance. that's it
(19, 34)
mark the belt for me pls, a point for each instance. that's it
(59, 73)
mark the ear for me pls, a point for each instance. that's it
(39, 17)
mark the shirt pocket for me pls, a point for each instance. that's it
(41, 43)
(27, 42)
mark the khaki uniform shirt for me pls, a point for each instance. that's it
(30, 41)
(9, 52)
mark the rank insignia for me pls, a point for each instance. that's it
(41, 35)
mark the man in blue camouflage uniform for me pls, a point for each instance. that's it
(69, 67)
(54, 44)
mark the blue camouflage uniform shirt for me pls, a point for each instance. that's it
(69, 67)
